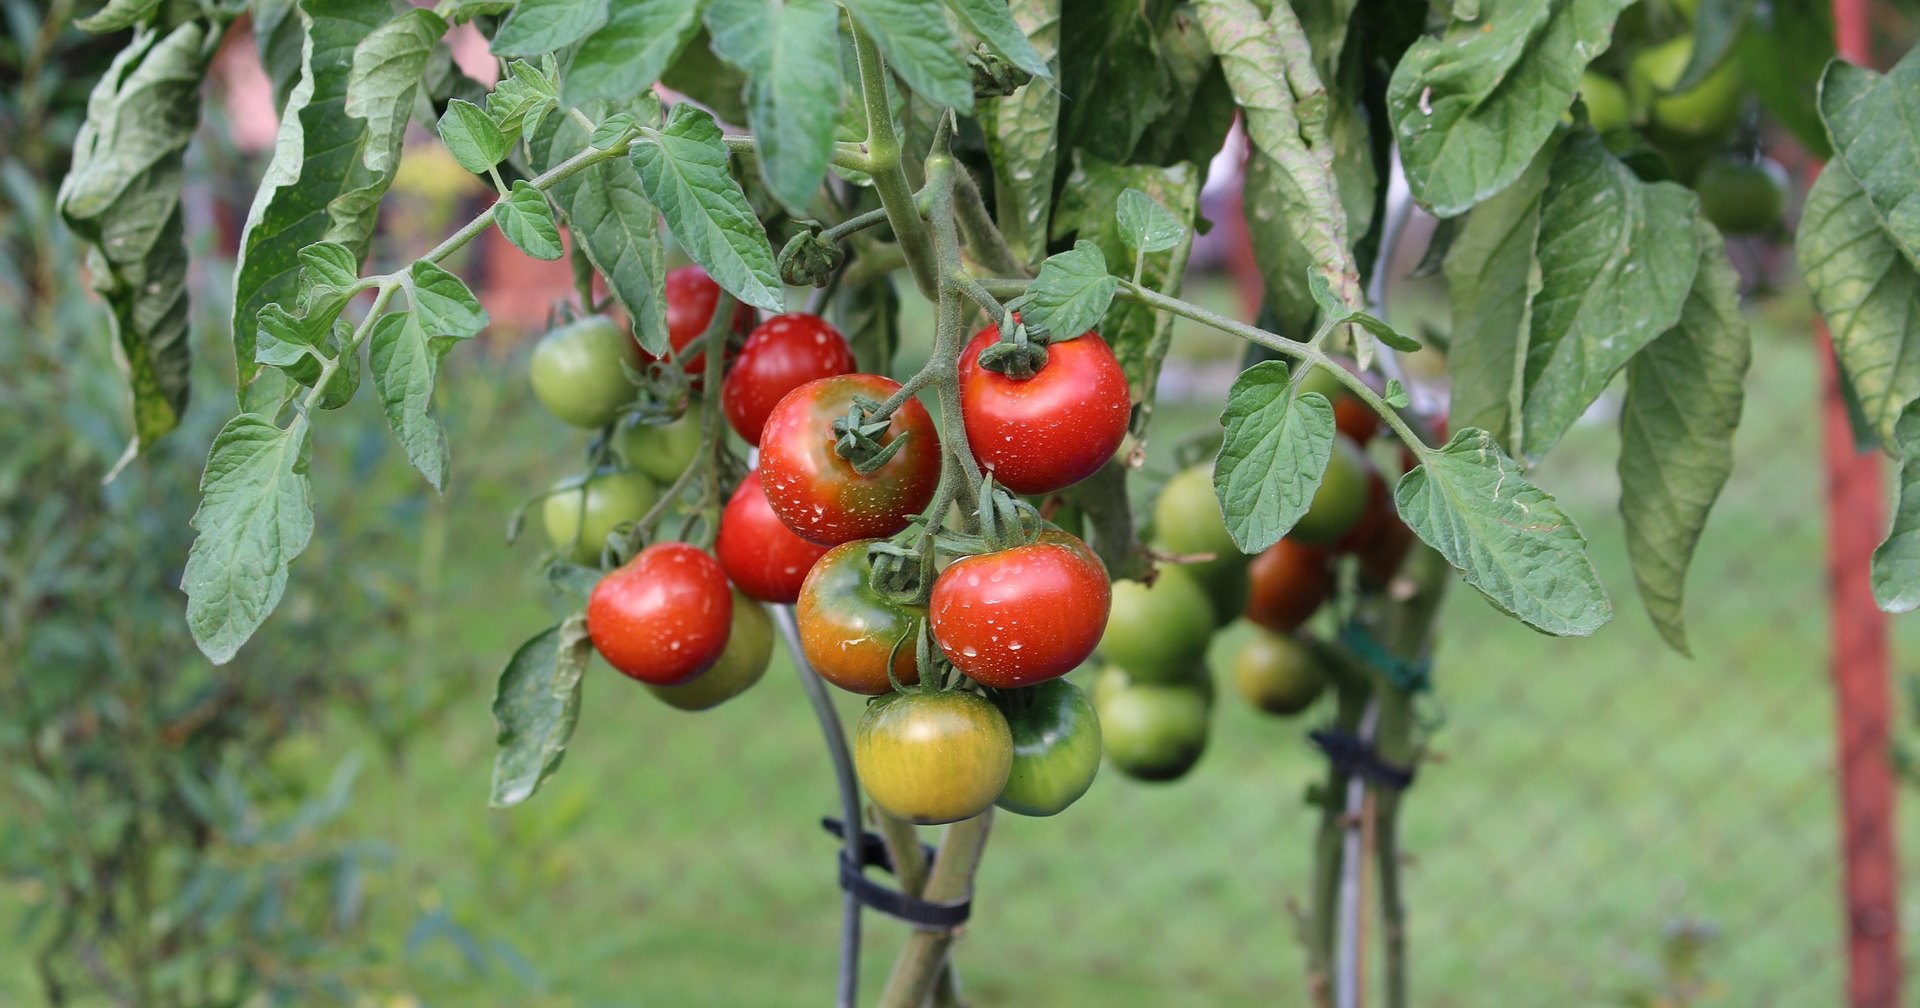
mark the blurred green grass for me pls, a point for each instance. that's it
(1592, 794)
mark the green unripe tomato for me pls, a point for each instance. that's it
(1277, 673)
(1707, 109)
(1112, 679)
(1187, 520)
(1157, 632)
(611, 498)
(1225, 584)
(1608, 107)
(1154, 732)
(749, 650)
(662, 451)
(1742, 197)
(576, 371)
(1056, 747)
(1341, 499)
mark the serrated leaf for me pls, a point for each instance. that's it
(1616, 258)
(1273, 457)
(319, 185)
(1471, 107)
(1869, 293)
(683, 167)
(914, 38)
(1874, 122)
(328, 270)
(255, 517)
(993, 23)
(616, 225)
(524, 97)
(406, 366)
(1071, 294)
(387, 66)
(536, 27)
(790, 52)
(443, 303)
(293, 343)
(122, 197)
(527, 221)
(1145, 225)
(472, 138)
(118, 15)
(615, 128)
(535, 707)
(1020, 131)
(1470, 501)
(1396, 394)
(628, 54)
(1896, 562)
(1684, 393)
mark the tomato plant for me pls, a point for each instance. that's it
(1056, 748)
(761, 555)
(933, 757)
(1040, 175)
(822, 494)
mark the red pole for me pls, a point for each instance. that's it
(1859, 662)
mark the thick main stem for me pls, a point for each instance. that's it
(884, 164)
(918, 968)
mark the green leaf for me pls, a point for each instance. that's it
(1493, 274)
(443, 303)
(535, 708)
(616, 225)
(387, 66)
(1071, 294)
(537, 27)
(993, 23)
(527, 221)
(1145, 225)
(1896, 563)
(612, 130)
(1509, 538)
(1793, 40)
(1396, 394)
(1116, 79)
(328, 272)
(790, 52)
(628, 54)
(463, 11)
(472, 138)
(1471, 107)
(296, 344)
(1020, 130)
(914, 38)
(683, 166)
(328, 170)
(1716, 27)
(255, 516)
(1684, 393)
(524, 97)
(1336, 312)
(869, 316)
(1274, 455)
(122, 197)
(1874, 122)
(278, 37)
(119, 15)
(1868, 292)
(406, 366)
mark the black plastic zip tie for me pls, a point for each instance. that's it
(1349, 755)
(924, 915)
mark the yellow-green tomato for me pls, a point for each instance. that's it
(932, 757)
(749, 649)
(577, 374)
(662, 450)
(1277, 673)
(1341, 499)
(1157, 632)
(1056, 747)
(1709, 108)
(579, 518)
(1154, 731)
(1608, 107)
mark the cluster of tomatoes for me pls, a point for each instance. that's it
(1154, 694)
(1685, 135)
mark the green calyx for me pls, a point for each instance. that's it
(809, 258)
(1017, 355)
(856, 436)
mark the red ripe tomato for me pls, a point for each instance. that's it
(1024, 615)
(818, 493)
(691, 298)
(1049, 431)
(782, 354)
(762, 556)
(1286, 584)
(663, 618)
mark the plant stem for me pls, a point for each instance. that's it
(917, 969)
(983, 239)
(847, 994)
(910, 870)
(883, 163)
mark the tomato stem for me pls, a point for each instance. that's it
(923, 959)
(884, 164)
